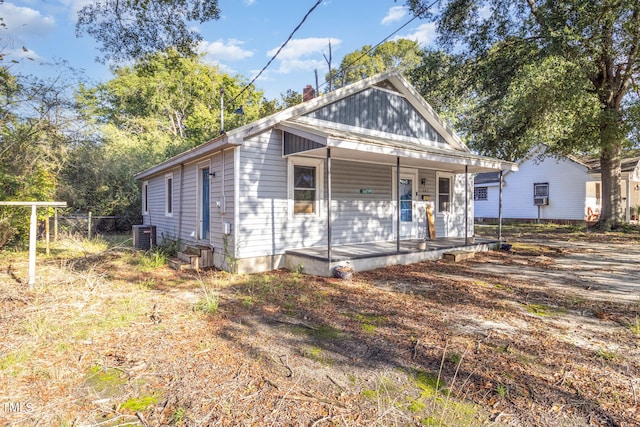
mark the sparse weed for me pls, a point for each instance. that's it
(502, 390)
(634, 325)
(606, 354)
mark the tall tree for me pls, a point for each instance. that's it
(37, 127)
(402, 54)
(148, 112)
(592, 47)
(133, 29)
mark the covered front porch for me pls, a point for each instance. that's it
(369, 256)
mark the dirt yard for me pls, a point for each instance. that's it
(547, 334)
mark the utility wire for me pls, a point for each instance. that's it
(343, 70)
(279, 49)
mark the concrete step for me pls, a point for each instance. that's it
(457, 256)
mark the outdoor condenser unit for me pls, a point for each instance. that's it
(144, 236)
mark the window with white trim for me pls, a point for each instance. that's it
(168, 185)
(305, 186)
(145, 198)
(480, 193)
(445, 192)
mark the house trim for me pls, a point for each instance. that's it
(168, 194)
(319, 179)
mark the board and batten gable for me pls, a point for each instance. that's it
(381, 110)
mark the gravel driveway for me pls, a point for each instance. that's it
(600, 271)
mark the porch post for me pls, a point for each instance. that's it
(398, 204)
(466, 204)
(627, 216)
(32, 246)
(329, 204)
(500, 210)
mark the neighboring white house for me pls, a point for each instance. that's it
(552, 189)
(256, 192)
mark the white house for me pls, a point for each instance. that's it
(357, 166)
(552, 189)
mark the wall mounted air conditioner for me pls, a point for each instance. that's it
(540, 201)
(144, 236)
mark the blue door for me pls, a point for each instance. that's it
(205, 204)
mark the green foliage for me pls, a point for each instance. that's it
(401, 54)
(36, 130)
(133, 29)
(561, 73)
(148, 112)
(138, 404)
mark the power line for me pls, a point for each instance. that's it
(279, 50)
(342, 70)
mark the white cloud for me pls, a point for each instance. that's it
(22, 21)
(304, 54)
(221, 50)
(424, 35)
(249, 2)
(395, 14)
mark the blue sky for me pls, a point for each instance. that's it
(241, 42)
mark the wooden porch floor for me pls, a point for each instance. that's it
(367, 256)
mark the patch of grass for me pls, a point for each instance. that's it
(429, 383)
(138, 404)
(502, 390)
(105, 381)
(505, 288)
(315, 353)
(543, 310)
(12, 361)
(605, 354)
(152, 259)
(370, 394)
(178, 415)
(208, 303)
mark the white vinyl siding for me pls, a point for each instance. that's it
(567, 182)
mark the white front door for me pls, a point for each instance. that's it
(408, 211)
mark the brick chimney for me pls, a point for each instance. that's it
(308, 93)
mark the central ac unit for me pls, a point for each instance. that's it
(540, 201)
(144, 236)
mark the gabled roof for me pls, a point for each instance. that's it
(315, 119)
(629, 165)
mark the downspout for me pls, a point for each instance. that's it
(500, 210)
(329, 204)
(398, 203)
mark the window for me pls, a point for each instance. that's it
(305, 186)
(480, 193)
(168, 181)
(444, 193)
(145, 198)
(541, 189)
(598, 194)
(304, 189)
